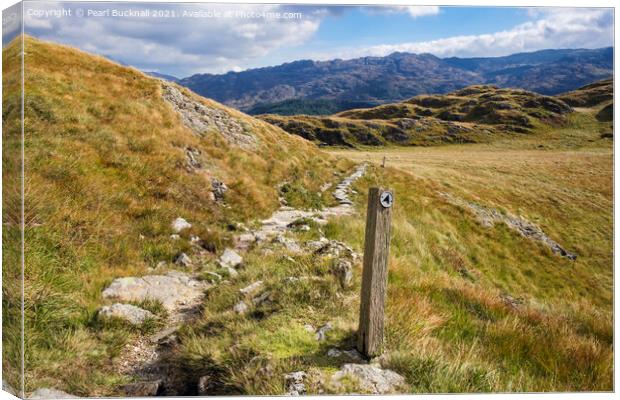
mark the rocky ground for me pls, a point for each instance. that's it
(181, 295)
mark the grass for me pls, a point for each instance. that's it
(105, 173)
(105, 177)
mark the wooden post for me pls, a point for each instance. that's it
(374, 274)
(383, 163)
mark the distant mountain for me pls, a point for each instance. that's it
(166, 77)
(399, 76)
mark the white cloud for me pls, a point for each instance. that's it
(421, 11)
(180, 46)
(552, 28)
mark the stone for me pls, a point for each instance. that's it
(290, 244)
(203, 385)
(51, 393)
(241, 308)
(321, 333)
(127, 312)
(334, 352)
(244, 241)
(180, 224)
(174, 290)
(219, 189)
(264, 297)
(370, 378)
(250, 289)
(343, 269)
(230, 258)
(309, 328)
(203, 119)
(174, 236)
(295, 383)
(183, 260)
(141, 389)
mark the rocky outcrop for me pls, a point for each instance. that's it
(180, 224)
(490, 216)
(203, 119)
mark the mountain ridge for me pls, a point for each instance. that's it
(399, 76)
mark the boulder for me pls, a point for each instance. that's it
(183, 260)
(127, 312)
(370, 378)
(180, 224)
(343, 269)
(241, 308)
(250, 289)
(230, 258)
(219, 189)
(174, 290)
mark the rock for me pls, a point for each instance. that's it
(174, 290)
(230, 258)
(51, 393)
(203, 119)
(193, 159)
(258, 300)
(203, 385)
(354, 355)
(290, 244)
(344, 272)
(334, 352)
(244, 241)
(164, 336)
(183, 260)
(251, 288)
(309, 328)
(141, 389)
(161, 265)
(174, 236)
(295, 383)
(370, 378)
(314, 245)
(180, 224)
(241, 308)
(320, 334)
(132, 314)
(219, 189)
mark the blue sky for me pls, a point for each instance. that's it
(221, 38)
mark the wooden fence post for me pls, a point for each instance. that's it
(374, 274)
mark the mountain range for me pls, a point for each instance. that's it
(325, 87)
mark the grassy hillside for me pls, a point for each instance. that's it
(471, 308)
(476, 114)
(107, 171)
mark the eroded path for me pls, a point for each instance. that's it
(181, 294)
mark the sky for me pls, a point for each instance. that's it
(185, 39)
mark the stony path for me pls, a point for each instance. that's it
(182, 295)
(281, 220)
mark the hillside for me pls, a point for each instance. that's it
(110, 164)
(400, 76)
(175, 246)
(471, 115)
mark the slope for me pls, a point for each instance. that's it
(110, 162)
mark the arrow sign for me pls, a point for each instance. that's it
(386, 199)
